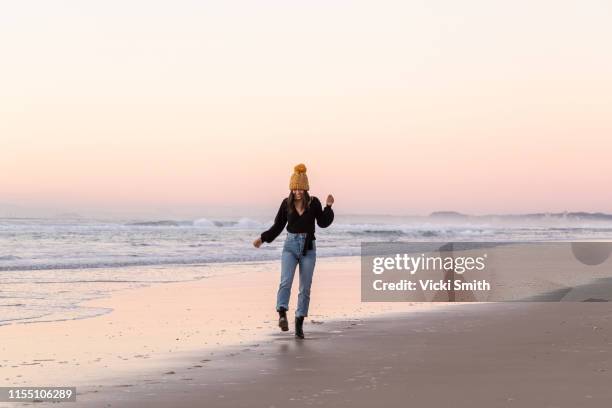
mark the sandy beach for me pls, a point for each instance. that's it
(150, 328)
(478, 355)
(214, 342)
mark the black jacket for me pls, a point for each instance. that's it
(296, 223)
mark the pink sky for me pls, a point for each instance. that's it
(395, 107)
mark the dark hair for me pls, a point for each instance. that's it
(291, 203)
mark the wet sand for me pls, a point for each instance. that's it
(477, 355)
(150, 327)
(215, 343)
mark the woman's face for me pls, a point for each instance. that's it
(298, 194)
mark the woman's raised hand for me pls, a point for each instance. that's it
(330, 200)
(257, 243)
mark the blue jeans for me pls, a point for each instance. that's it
(292, 257)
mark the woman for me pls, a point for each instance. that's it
(299, 212)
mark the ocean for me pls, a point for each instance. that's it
(49, 266)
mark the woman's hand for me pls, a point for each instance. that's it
(257, 243)
(330, 200)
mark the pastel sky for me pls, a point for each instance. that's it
(399, 107)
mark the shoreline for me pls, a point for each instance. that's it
(192, 272)
(150, 324)
(215, 340)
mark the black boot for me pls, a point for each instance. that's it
(299, 323)
(283, 323)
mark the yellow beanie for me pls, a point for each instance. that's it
(299, 179)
